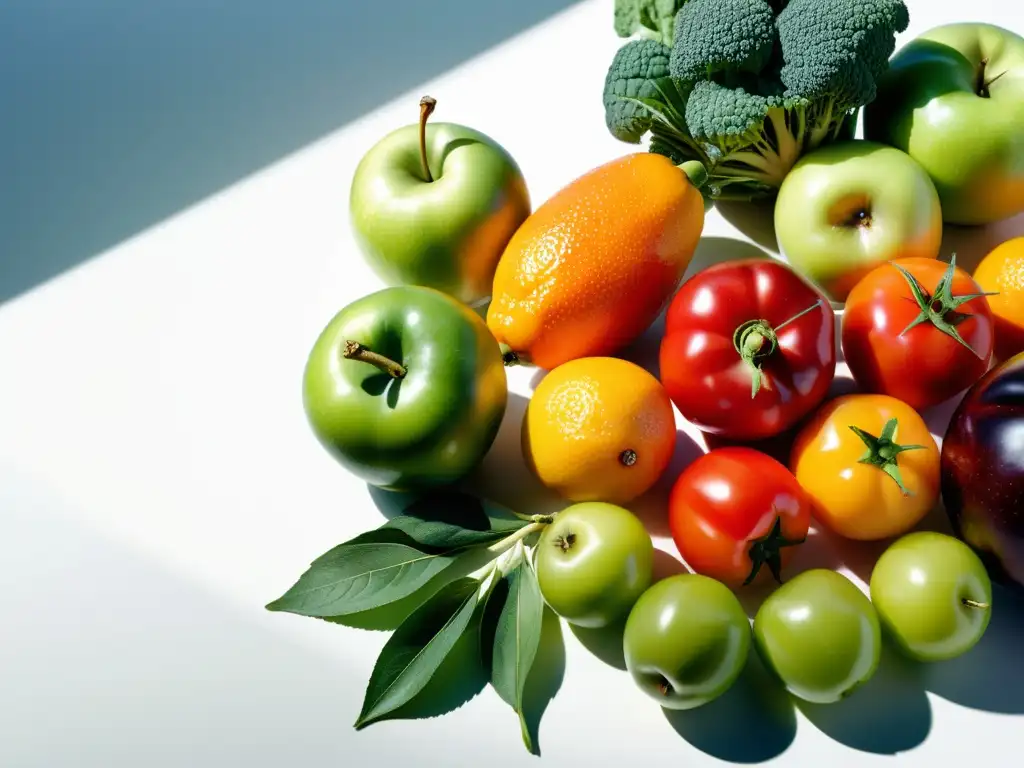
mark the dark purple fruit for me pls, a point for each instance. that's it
(983, 470)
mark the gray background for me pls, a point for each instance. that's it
(115, 114)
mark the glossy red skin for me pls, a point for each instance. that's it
(983, 470)
(705, 376)
(924, 366)
(725, 500)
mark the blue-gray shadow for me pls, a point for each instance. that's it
(118, 114)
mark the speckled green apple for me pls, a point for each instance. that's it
(593, 561)
(406, 388)
(848, 207)
(953, 98)
(819, 635)
(686, 640)
(933, 595)
(435, 205)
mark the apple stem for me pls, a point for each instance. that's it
(974, 604)
(356, 351)
(427, 104)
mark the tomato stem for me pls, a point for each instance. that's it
(356, 351)
(427, 104)
(882, 451)
(510, 357)
(756, 340)
(940, 308)
(768, 551)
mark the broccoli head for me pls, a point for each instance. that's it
(749, 86)
(652, 19)
(836, 50)
(722, 36)
(633, 74)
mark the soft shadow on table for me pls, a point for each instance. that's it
(503, 476)
(753, 722)
(972, 244)
(889, 714)
(652, 506)
(990, 676)
(755, 220)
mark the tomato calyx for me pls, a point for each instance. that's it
(882, 452)
(768, 551)
(757, 340)
(940, 308)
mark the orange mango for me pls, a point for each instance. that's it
(592, 267)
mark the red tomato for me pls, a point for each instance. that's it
(918, 330)
(735, 510)
(749, 349)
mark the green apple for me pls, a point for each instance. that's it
(953, 98)
(435, 205)
(848, 207)
(933, 595)
(686, 640)
(593, 561)
(819, 635)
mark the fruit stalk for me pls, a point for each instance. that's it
(427, 104)
(356, 351)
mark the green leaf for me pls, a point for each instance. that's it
(390, 563)
(417, 649)
(517, 638)
(374, 569)
(448, 520)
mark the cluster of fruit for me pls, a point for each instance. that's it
(407, 388)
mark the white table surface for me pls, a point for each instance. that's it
(159, 484)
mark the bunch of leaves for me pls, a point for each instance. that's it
(450, 572)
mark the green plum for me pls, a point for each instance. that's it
(686, 640)
(593, 561)
(819, 635)
(406, 388)
(435, 205)
(932, 594)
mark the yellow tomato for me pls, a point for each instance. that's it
(870, 464)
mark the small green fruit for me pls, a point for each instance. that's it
(686, 641)
(593, 561)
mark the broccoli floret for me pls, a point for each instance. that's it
(652, 19)
(722, 36)
(632, 75)
(753, 85)
(838, 52)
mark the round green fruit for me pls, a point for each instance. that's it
(406, 388)
(440, 213)
(953, 99)
(932, 594)
(593, 561)
(819, 635)
(686, 640)
(848, 207)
